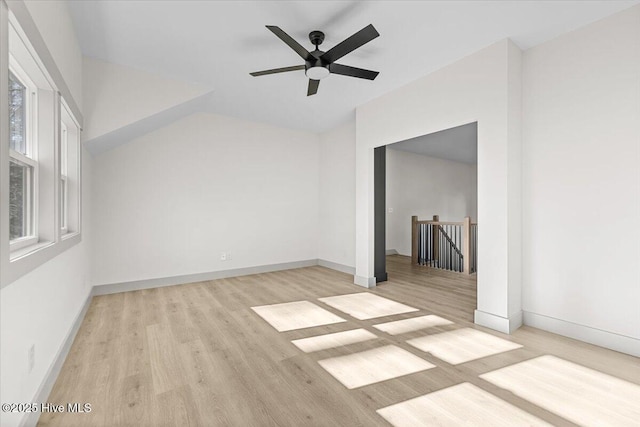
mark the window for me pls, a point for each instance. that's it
(40, 152)
(23, 165)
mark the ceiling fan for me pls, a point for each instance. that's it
(319, 64)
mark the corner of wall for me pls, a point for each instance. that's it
(514, 177)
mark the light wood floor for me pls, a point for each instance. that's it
(198, 355)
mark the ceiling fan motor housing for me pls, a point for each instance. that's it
(316, 37)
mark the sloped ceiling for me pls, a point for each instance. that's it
(215, 44)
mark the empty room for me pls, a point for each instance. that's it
(319, 213)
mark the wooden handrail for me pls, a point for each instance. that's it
(427, 221)
(440, 223)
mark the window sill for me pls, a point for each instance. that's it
(69, 235)
(28, 250)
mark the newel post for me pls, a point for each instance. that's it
(414, 240)
(466, 245)
(435, 237)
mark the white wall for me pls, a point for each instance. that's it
(40, 307)
(337, 193)
(582, 183)
(117, 96)
(426, 186)
(54, 22)
(169, 203)
(483, 87)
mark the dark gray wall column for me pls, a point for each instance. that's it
(379, 178)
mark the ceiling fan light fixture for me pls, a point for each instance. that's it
(317, 73)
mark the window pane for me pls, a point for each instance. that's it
(19, 203)
(17, 115)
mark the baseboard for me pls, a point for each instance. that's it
(610, 340)
(365, 282)
(137, 285)
(335, 266)
(391, 252)
(42, 395)
(506, 325)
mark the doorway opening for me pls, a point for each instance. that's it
(426, 203)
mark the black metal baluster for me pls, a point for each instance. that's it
(422, 246)
(440, 251)
(447, 249)
(426, 244)
(430, 244)
(444, 246)
(457, 245)
(459, 238)
(425, 251)
(433, 248)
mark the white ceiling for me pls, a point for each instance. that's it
(217, 44)
(458, 144)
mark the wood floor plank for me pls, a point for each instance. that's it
(177, 408)
(166, 367)
(134, 401)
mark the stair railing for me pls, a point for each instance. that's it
(444, 245)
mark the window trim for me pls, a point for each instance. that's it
(64, 205)
(70, 170)
(63, 190)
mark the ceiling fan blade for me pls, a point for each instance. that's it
(277, 70)
(304, 53)
(313, 87)
(345, 70)
(350, 44)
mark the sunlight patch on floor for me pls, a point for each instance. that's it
(579, 394)
(372, 366)
(338, 339)
(462, 345)
(296, 315)
(460, 405)
(413, 324)
(365, 305)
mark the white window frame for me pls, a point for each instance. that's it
(30, 158)
(64, 181)
(70, 175)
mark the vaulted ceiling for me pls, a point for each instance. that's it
(218, 43)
